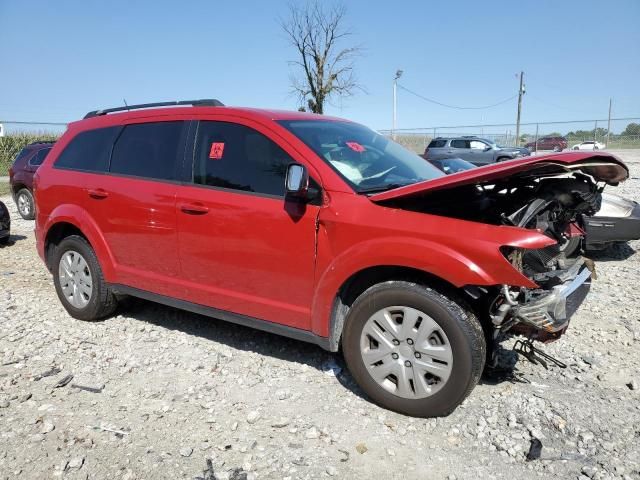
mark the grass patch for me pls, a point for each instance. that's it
(5, 188)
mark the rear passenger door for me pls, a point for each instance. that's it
(134, 203)
(460, 148)
(244, 247)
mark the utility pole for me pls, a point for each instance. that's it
(520, 93)
(609, 123)
(395, 103)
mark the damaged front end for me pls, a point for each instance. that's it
(550, 195)
(556, 209)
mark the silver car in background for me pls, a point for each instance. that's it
(476, 150)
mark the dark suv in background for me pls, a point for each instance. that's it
(557, 144)
(21, 176)
(476, 150)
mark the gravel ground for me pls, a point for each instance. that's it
(159, 393)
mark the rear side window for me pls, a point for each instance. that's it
(89, 151)
(39, 157)
(23, 153)
(150, 150)
(437, 143)
(233, 156)
(460, 144)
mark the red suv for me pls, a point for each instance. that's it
(21, 176)
(557, 144)
(318, 229)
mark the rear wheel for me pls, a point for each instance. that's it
(25, 204)
(79, 280)
(412, 349)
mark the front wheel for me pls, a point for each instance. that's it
(413, 350)
(79, 280)
(25, 204)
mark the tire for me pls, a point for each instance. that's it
(444, 320)
(25, 204)
(4, 241)
(503, 159)
(100, 302)
(570, 246)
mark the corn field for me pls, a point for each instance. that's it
(11, 145)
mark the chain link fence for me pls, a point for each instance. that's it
(16, 135)
(621, 134)
(618, 133)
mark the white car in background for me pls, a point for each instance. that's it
(589, 146)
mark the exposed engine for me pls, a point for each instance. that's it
(553, 205)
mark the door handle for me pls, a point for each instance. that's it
(98, 193)
(194, 208)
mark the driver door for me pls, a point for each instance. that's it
(481, 153)
(244, 247)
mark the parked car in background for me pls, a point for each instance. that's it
(476, 150)
(618, 220)
(590, 145)
(557, 144)
(5, 224)
(318, 229)
(21, 176)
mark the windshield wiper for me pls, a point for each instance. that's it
(383, 188)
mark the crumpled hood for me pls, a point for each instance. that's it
(603, 167)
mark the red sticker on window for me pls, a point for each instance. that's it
(217, 150)
(355, 146)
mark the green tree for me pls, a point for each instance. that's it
(632, 129)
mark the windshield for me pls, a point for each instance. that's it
(368, 161)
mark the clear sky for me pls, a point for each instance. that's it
(63, 58)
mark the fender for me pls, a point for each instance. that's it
(80, 218)
(421, 254)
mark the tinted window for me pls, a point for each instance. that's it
(237, 157)
(89, 150)
(437, 143)
(460, 143)
(23, 153)
(39, 157)
(148, 150)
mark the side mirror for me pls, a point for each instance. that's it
(297, 181)
(487, 148)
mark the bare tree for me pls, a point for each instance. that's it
(325, 69)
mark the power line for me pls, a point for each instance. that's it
(430, 100)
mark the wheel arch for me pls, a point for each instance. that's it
(362, 280)
(16, 187)
(72, 220)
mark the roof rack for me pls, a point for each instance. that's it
(207, 102)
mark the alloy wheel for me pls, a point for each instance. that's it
(24, 205)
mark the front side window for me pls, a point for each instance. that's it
(368, 161)
(237, 157)
(150, 150)
(478, 145)
(39, 157)
(89, 150)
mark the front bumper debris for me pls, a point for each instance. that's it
(552, 310)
